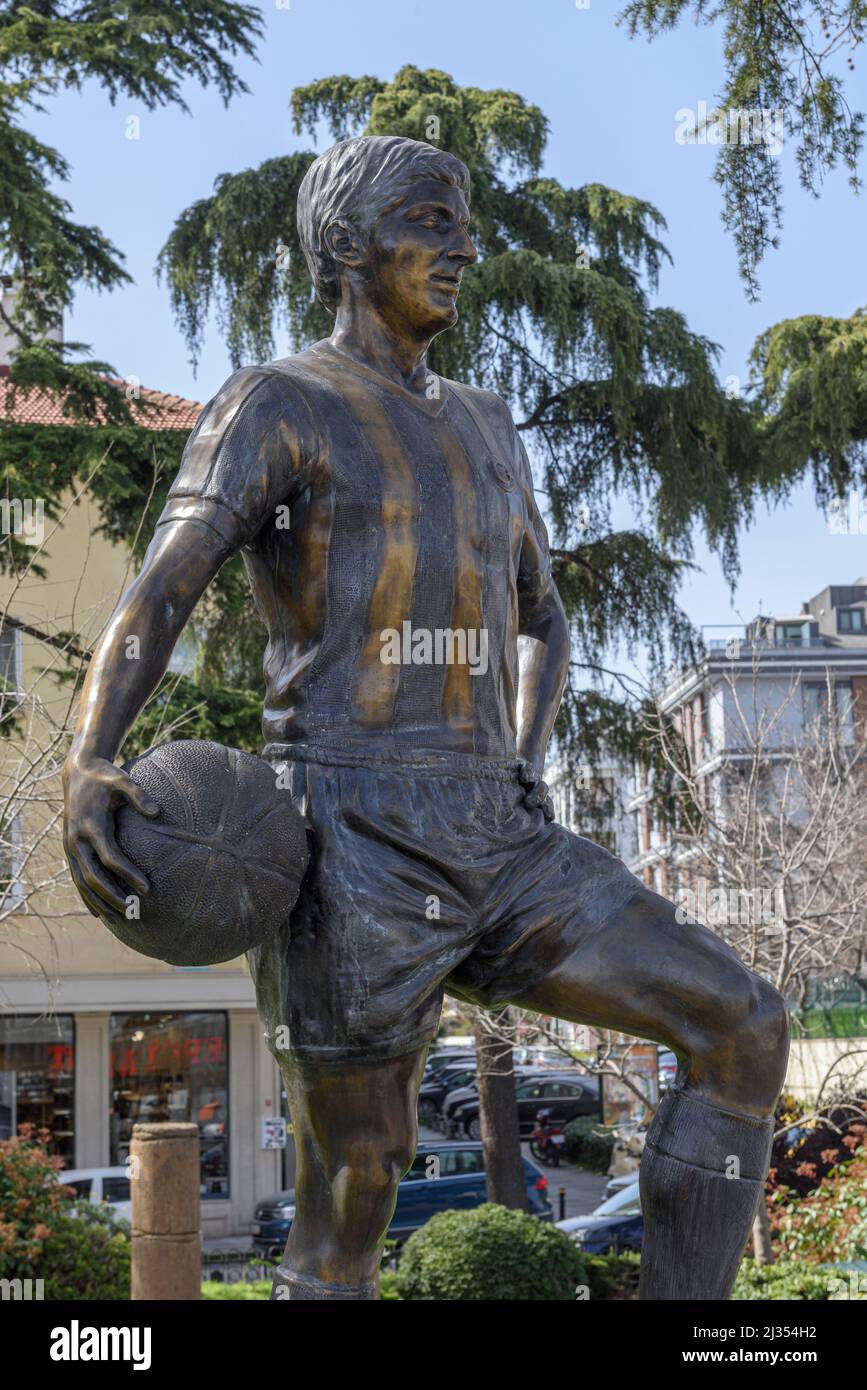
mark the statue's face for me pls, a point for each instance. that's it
(416, 255)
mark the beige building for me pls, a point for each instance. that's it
(94, 1037)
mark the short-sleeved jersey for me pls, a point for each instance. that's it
(393, 545)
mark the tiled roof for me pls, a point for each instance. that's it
(36, 407)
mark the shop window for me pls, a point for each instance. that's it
(173, 1067)
(37, 1079)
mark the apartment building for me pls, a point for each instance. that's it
(800, 666)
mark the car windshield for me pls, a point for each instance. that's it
(622, 1203)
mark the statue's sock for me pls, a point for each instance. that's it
(702, 1174)
(289, 1285)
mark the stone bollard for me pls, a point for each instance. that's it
(166, 1246)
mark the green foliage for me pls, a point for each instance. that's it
(613, 1276)
(76, 1248)
(490, 1253)
(777, 59)
(240, 1291)
(589, 1143)
(127, 470)
(788, 1280)
(87, 1256)
(181, 708)
(145, 51)
(811, 379)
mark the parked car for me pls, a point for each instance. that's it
(437, 1060)
(564, 1097)
(470, 1092)
(432, 1093)
(615, 1225)
(619, 1184)
(444, 1177)
(108, 1185)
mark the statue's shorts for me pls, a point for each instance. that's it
(428, 874)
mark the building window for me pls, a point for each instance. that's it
(173, 1067)
(830, 708)
(37, 1060)
(850, 620)
(794, 634)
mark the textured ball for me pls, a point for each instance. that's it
(224, 858)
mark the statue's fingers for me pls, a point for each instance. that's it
(111, 857)
(98, 881)
(83, 891)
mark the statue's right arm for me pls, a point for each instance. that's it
(241, 461)
(180, 563)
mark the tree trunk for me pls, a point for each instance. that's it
(762, 1250)
(498, 1111)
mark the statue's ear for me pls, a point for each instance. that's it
(343, 245)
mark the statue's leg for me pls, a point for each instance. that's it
(708, 1146)
(355, 1135)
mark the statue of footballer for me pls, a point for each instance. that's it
(395, 552)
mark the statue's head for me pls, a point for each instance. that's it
(389, 217)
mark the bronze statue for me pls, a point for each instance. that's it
(395, 552)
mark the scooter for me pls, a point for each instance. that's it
(547, 1139)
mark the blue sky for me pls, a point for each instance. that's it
(611, 104)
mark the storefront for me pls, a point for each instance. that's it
(37, 1078)
(173, 1067)
(149, 1047)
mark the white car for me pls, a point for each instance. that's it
(109, 1185)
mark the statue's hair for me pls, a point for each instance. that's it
(356, 181)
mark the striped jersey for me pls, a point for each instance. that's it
(393, 546)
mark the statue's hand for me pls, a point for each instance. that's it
(93, 789)
(535, 790)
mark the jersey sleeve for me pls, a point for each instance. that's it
(252, 450)
(535, 579)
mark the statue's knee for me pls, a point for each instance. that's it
(766, 1033)
(364, 1182)
(748, 1036)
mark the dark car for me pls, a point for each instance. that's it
(444, 1177)
(615, 1225)
(564, 1097)
(432, 1093)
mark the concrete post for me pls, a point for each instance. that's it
(166, 1248)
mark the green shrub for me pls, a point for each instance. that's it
(788, 1280)
(489, 1253)
(241, 1289)
(75, 1248)
(589, 1143)
(613, 1276)
(87, 1256)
